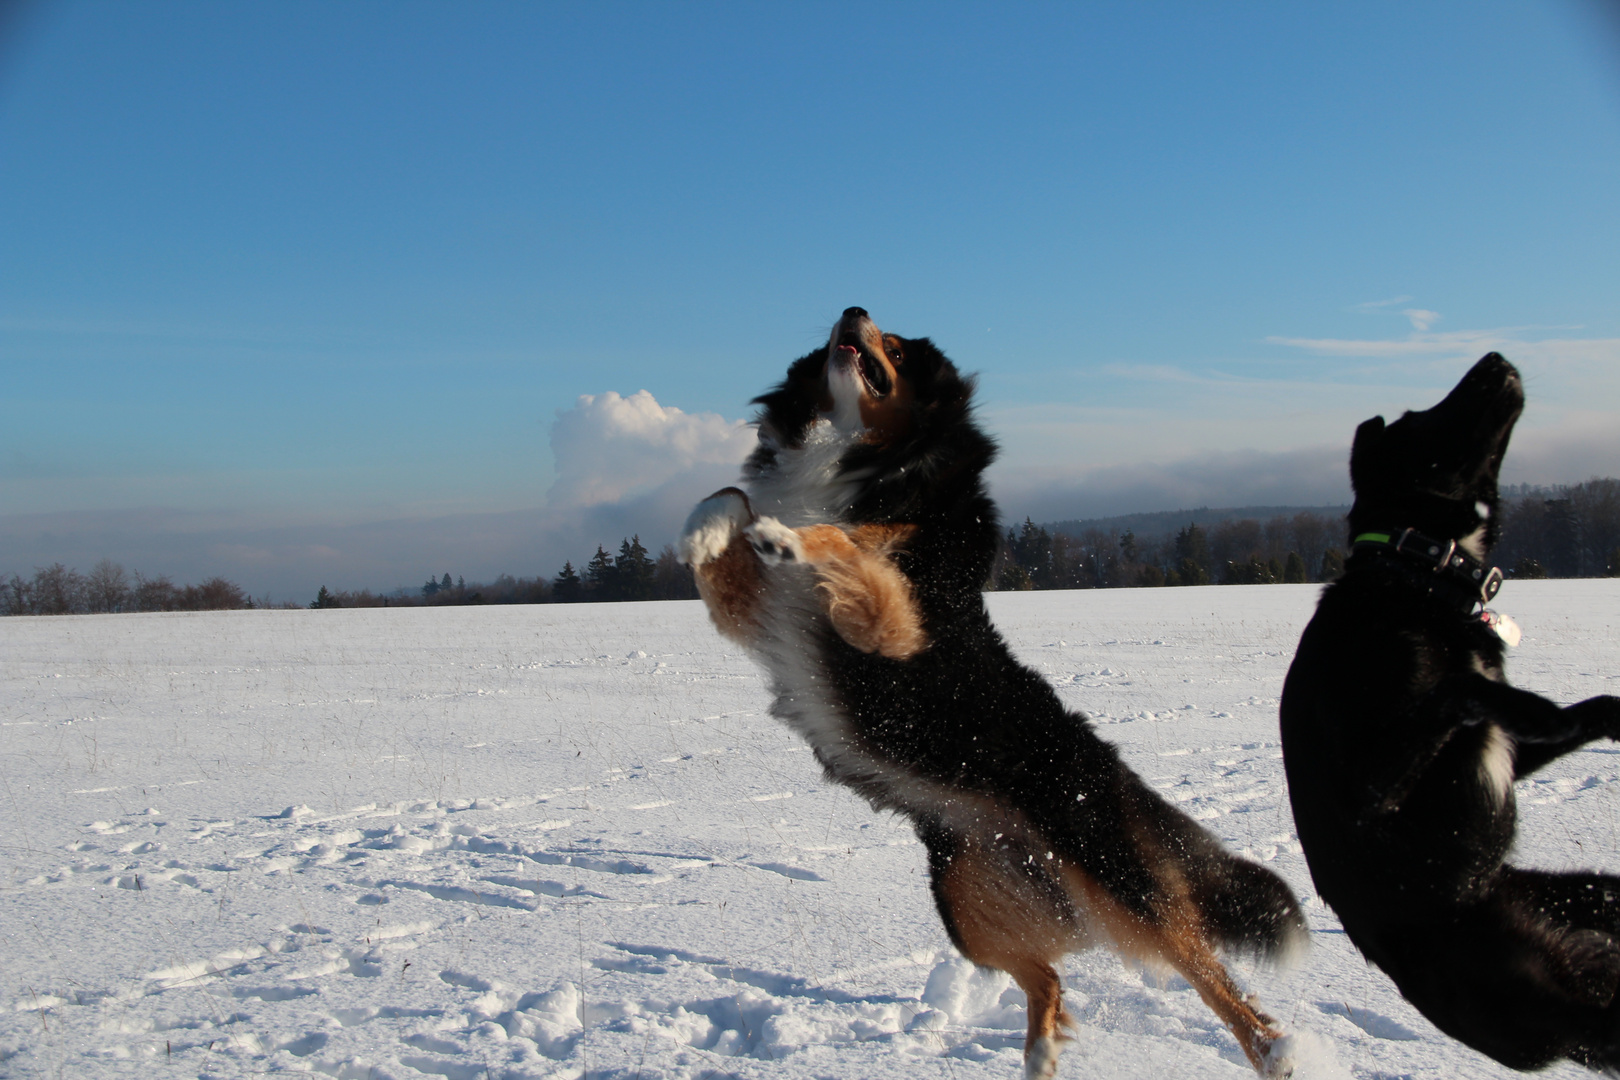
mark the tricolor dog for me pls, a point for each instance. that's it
(851, 565)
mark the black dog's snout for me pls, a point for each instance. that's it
(855, 313)
(1495, 366)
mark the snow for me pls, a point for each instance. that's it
(554, 841)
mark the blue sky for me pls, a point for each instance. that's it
(309, 293)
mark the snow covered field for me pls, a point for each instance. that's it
(564, 841)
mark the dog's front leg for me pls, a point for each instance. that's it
(724, 563)
(1594, 718)
(1542, 730)
(867, 599)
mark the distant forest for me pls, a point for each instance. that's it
(1561, 532)
(631, 575)
(1567, 531)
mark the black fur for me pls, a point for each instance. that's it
(1394, 699)
(966, 714)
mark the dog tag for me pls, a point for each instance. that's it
(1505, 627)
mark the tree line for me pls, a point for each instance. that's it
(633, 574)
(1569, 530)
(1243, 551)
(107, 588)
(1565, 531)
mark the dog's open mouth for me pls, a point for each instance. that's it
(871, 370)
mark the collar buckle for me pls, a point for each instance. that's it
(1440, 556)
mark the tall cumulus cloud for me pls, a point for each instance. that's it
(609, 449)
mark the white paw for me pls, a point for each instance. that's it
(774, 541)
(1277, 1058)
(1040, 1062)
(711, 526)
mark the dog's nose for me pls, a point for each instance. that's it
(855, 313)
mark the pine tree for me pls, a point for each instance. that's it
(1033, 551)
(566, 586)
(1192, 556)
(634, 571)
(324, 599)
(1127, 546)
(1294, 569)
(600, 578)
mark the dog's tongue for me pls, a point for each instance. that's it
(852, 350)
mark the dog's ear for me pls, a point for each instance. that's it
(923, 360)
(788, 409)
(1367, 435)
(1364, 448)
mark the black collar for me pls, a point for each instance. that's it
(1439, 567)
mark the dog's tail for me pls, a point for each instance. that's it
(1248, 909)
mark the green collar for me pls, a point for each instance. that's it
(1447, 569)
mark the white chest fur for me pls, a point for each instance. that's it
(804, 486)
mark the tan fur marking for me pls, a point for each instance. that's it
(1176, 937)
(881, 539)
(731, 587)
(1009, 922)
(885, 418)
(868, 599)
(889, 417)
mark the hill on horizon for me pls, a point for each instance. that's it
(1161, 523)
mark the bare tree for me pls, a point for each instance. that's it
(671, 579)
(155, 594)
(106, 588)
(1313, 534)
(58, 590)
(17, 596)
(215, 594)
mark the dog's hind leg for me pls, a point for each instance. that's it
(1579, 915)
(1043, 1041)
(1177, 937)
(1256, 1033)
(1014, 919)
(1527, 972)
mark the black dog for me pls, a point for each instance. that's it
(1402, 741)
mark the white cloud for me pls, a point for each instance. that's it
(1514, 342)
(628, 465)
(1421, 319)
(625, 466)
(610, 448)
(1419, 343)
(1371, 306)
